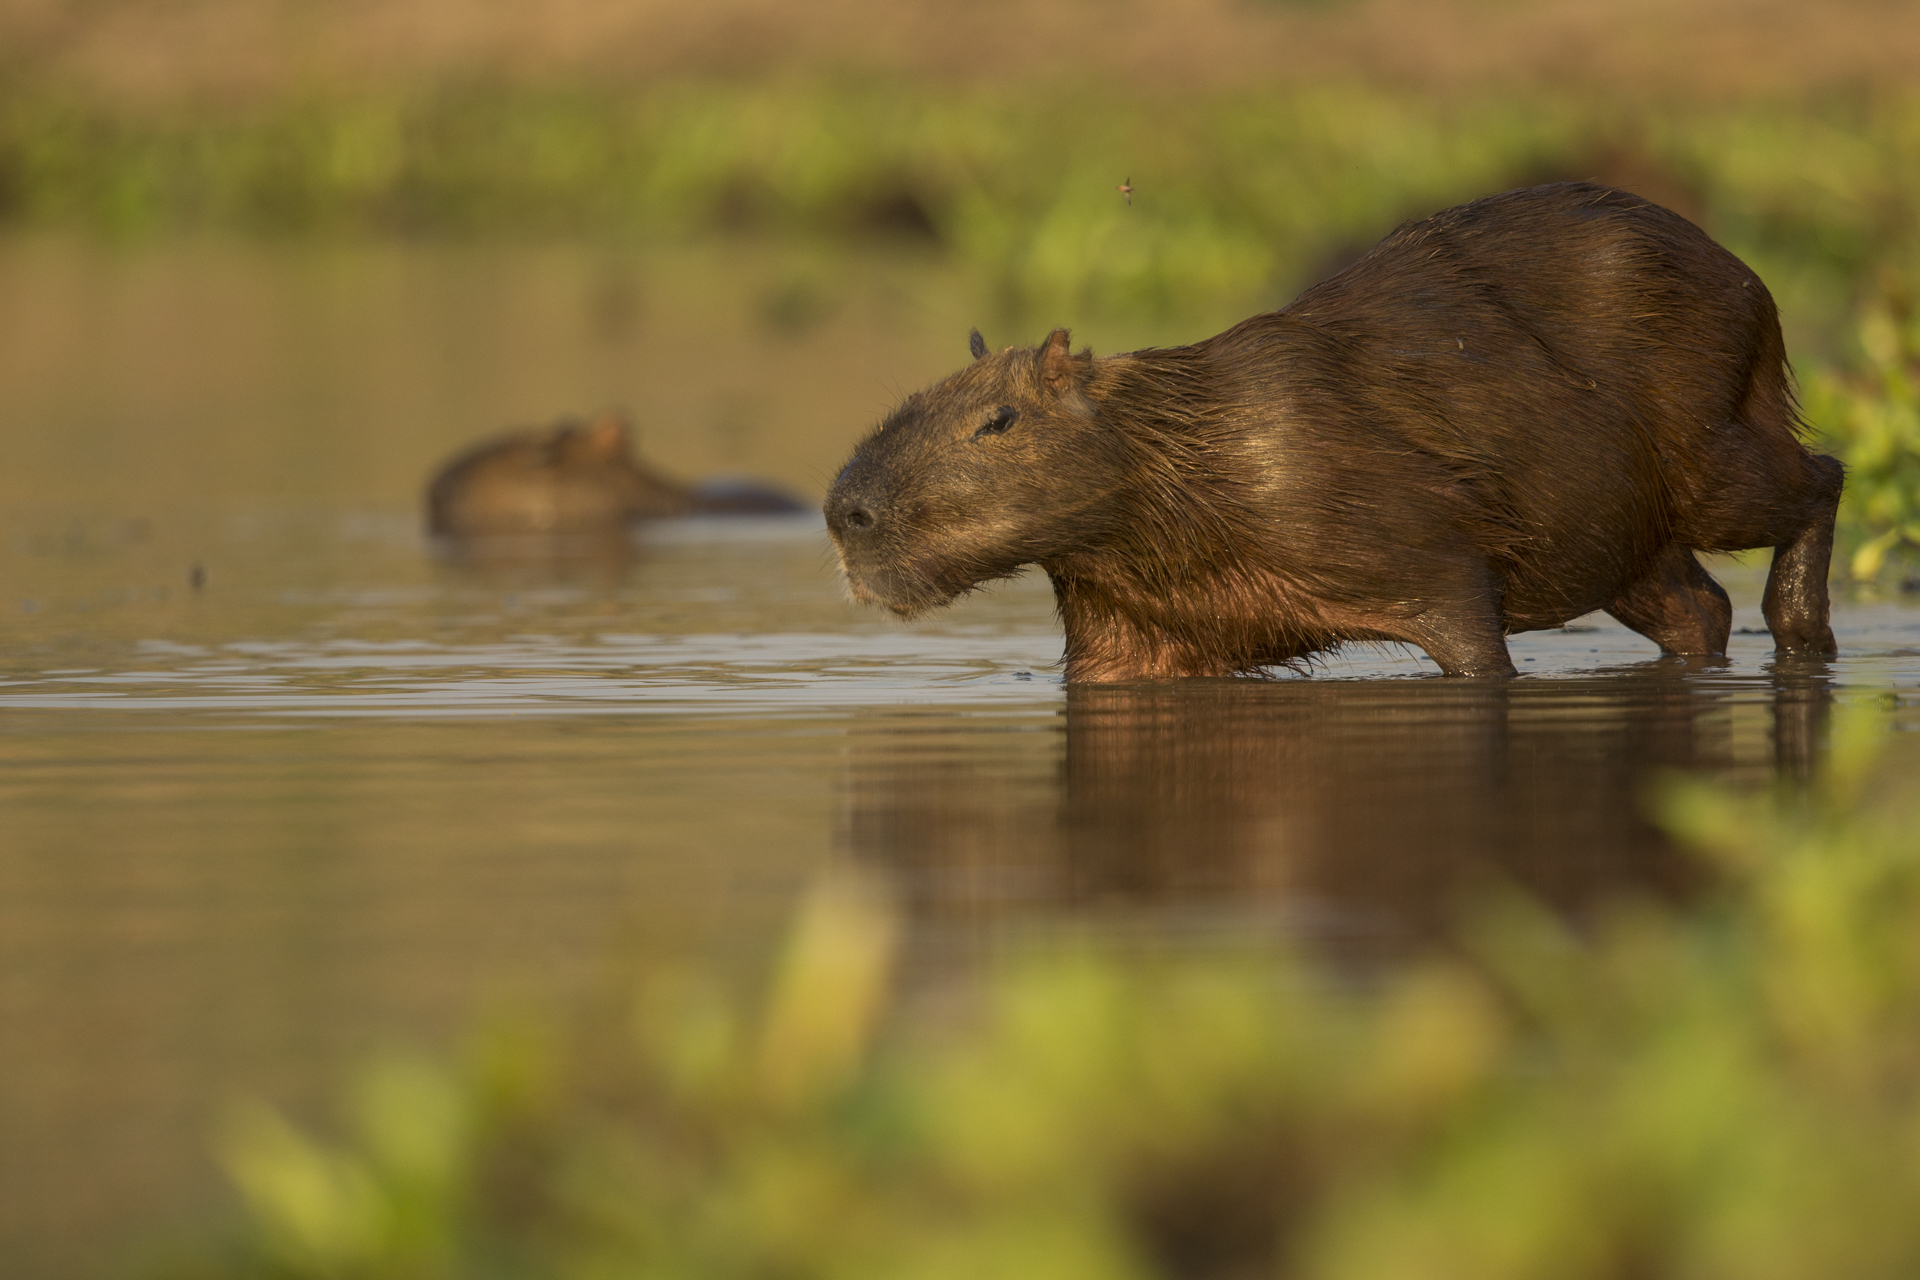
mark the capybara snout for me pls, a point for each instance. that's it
(1503, 417)
(999, 467)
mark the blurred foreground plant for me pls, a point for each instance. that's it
(1728, 1092)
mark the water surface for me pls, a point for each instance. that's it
(277, 784)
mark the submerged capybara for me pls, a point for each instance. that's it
(1504, 416)
(574, 479)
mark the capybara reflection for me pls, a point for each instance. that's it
(1357, 815)
(1505, 416)
(572, 480)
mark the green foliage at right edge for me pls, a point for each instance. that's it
(1871, 419)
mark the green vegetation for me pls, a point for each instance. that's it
(1871, 418)
(1730, 1091)
(1241, 196)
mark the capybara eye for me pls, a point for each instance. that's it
(1002, 418)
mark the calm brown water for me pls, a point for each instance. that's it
(342, 793)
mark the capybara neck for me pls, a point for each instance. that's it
(1175, 579)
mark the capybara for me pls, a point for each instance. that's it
(1504, 416)
(574, 479)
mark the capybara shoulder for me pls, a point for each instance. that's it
(1504, 416)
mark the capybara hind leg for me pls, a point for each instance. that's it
(1677, 605)
(1796, 600)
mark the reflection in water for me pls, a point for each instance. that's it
(1803, 689)
(537, 560)
(1360, 809)
(341, 794)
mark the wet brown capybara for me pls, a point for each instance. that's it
(574, 479)
(1505, 416)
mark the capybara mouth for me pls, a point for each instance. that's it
(904, 594)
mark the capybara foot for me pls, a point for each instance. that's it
(1678, 606)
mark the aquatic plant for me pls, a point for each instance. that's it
(1728, 1090)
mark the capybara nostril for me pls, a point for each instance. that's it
(848, 511)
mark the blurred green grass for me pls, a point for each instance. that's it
(1242, 195)
(1732, 1090)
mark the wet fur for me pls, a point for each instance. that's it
(1505, 416)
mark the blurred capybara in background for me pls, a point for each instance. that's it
(1504, 416)
(574, 479)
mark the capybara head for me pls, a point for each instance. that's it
(1005, 463)
(606, 441)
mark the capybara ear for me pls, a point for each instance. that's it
(606, 436)
(1057, 369)
(976, 344)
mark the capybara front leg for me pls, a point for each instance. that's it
(1475, 656)
(1796, 600)
(1677, 605)
(1465, 638)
